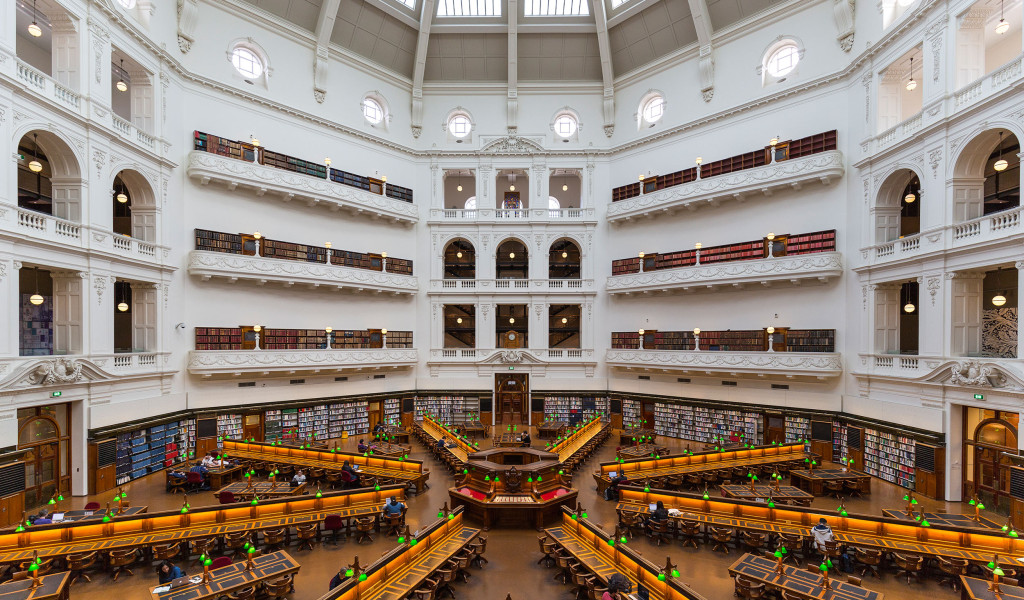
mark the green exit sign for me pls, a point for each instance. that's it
(511, 368)
(56, 394)
(979, 396)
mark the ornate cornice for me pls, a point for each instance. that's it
(793, 269)
(814, 364)
(207, 265)
(997, 374)
(237, 362)
(287, 187)
(26, 373)
(823, 167)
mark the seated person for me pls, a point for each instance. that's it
(734, 437)
(525, 439)
(379, 428)
(441, 443)
(612, 491)
(211, 461)
(299, 478)
(658, 515)
(202, 470)
(393, 507)
(822, 533)
(168, 572)
(353, 474)
(618, 587)
(40, 519)
(362, 446)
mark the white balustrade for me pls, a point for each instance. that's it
(884, 362)
(122, 243)
(121, 125)
(67, 96)
(31, 220)
(910, 244)
(122, 360)
(31, 76)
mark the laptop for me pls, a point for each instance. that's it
(642, 593)
(652, 506)
(180, 582)
(57, 517)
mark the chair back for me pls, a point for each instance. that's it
(82, 560)
(333, 522)
(278, 587)
(92, 506)
(850, 579)
(246, 593)
(307, 531)
(220, 562)
(226, 497)
(123, 556)
(165, 551)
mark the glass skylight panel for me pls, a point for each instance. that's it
(554, 8)
(469, 8)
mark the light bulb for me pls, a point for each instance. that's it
(640, 331)
(564, 320)
(699, 160)
(771, 236)
(565, 188)
(328, 329)
(909, 307)
(383, 331)
(34, 30)
(698, 245)
(255, 142)
(122, 307)
(909, 198)
(770, 330)
(641, 177)
(775, 141)
(122, 198)
(35, 166)
(459, 320)
(257, 328)
(640, 254)
(511, 188)
(121, 86)
(565, 255)
(458, 254)
(1002, 27)
(327, 244)
(459, 188)
(35, 299)
(383, 254)
(696, 331)
(998, 300)
(384, 178)
(511, 319)
(1000, 165)
(511, 254)
(911, 85)
(257, 235)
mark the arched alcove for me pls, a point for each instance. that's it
(49, 176)
(564, 260)
(512, 261)
(459, 260)
(136, 216)
(897, 206)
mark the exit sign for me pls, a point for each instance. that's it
(56, 394)
(979, 396)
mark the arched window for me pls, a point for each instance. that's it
(372, 110)
(651, 109)
(36, 431)
(247, 63)
(471, 203)
(459, 126)
(779, 61)
(250, 61)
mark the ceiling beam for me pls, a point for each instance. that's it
(390, 8)
(512, 116)
(420, 64)
(607, 76)
(627, 9)
(323, 31)
(705, 31)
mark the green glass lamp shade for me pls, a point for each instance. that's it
(401, 539)
(925, 523)
(52, 501)
(208, 562)
(823, 567)
(413, 542)
(778, 554)
(255, 501)
(319, 494)
(496, 480)
(362, 577)
(1013, 534)
(349, 573)
(991, 565)
(706, 496)
(783, 550)
(972, 502)
(914, 502)
(33, 567)
(1005, 527)
(376, 488)
(611, 542)
(487, 477)
(20, 529)
(843, 513)
(906, 497)
(584, 515)
(661, 577)
(675, 573)
(997, 572)
(539, 478)
(106, 518)
(465, 471)
(251, 550)
(622, 540)
(574, 518)
(980, 506)
(529, 480)
(771, 504)
(440, 514)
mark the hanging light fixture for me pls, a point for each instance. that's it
(909, 198)
(911, 85)
(564, 320)
(511, 254)
(1002, 26)
(458, 254)
(459, 187)
(999, 299)
(512, 188)
(34, 165)
(33, 29)
(121, 196)
(1001, 164)
(121, 85)
(458, 320)
(511, 320)
(122, 306)
(36, 299)
(565, 254)
(908, 306)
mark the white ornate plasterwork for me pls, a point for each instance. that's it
(823, 167)
(260, 269)
(993, 373)
(231, 362)
(287, 186)
(536, 361)
(24, 372)
(512, 145)
(816, 364)
(822, 267)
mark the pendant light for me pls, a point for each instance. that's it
(1000, 298)
(1002, 26)
(121, 85)
(34, 29)
(564, 320)
(565, 186)
(1001, 164)
(459, 187)
(34, 165)
(511, 320)
(459, 320)
(908, 306)
(36, 299)
(121, 196)
(911, 85)
(122, 306)
(911, 197)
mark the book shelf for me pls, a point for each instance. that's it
(785, 150)
(35, 333)
(810, 340)
(797, 428)
(399, 193)
(732, 341)
(218, 338)
(625, 266)
(400, 339)
(393, 411)
(280, 425)
(314, 422)
(290, 251)
(704, 424)
(573, 409)
(631, 413)
(357, 260)
(889, 456)
(349, 417)
(673, 420)
(399, 266)
(753, 340)
(277, 160)
(148, 450)
(368, 184)
(215, 241)
(293, 339)
(446, 409)
(625, 340)
(840, 433)
(223, 147)
(229, 426)
(810, 243)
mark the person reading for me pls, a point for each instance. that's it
(393, 507)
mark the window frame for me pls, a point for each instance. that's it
(385, 109)
(450, 117)
(771, 51)
(642, 122)
(251, 46)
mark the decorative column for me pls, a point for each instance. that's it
(1020, 290)
(886, 318)
(100, 313)
(485, 334)
(963, 312)
(436, 325)
(65, 49)
(587, 185)
(145, 316)
(68, 308)
(538, 324)
(436, 185)
(931, 331)
(541, 187)
(10, 292)
(953, 417)
(484, 185)
(97, 84)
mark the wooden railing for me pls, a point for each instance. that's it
(636, 467)
(567, 444)
(438, 430)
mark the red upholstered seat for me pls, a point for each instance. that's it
(473, 493)
(553, 494)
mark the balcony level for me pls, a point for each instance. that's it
(998, 375)
(239, 363)
(514, 286)
(25, 373)
(818, 365)
(499, 216)
(535, 361)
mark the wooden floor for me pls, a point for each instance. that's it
(512, 553)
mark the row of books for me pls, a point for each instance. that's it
(233, 338)
(446, 409)
(752, 340)
(573, 409)
(706, 425)
(797, 428)
(783, 150)
(631, 415)
(248, 152)
(890, 457)
(148, 450)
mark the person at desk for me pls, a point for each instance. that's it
(823, 534)
(379, 428)
(202, 470)
(211, 461)
(612, 491)
(40, 519)
(617, 584)
(168, 572)
(299, 478)
(658, 515)
(525, 439)
(338, 579)
(393, 507)
(352, 473)
(362, 446)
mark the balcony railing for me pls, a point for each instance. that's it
(70, 370)
(532, 360)
(575, 286)
(820, 365)
(236, 363)
(962, 371)
(518, 215)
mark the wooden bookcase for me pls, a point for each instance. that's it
(626, 191)
(625, 340)
(223, 147)
(399, 193)
(930, 470)
(277, 160)
(290, 251)
(219, 338)
(625, 266)
(215, 241)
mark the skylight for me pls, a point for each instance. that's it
(409, 3)
(618, 3)
(553, 8)
(469, 8)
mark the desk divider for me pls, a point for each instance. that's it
(577, 439)
(284, 452)
(796, 451)
(437, 430)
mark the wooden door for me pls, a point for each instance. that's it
(775, 430)
(375, 416)
(647, 414)
(512, 393)
(252, 427)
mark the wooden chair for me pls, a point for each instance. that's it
(274, 539)
(79, 563)
(166, 551)
(794, 545)
(547, 549)
(246, 593)
(279, 588)
(834, 488)
(235, 542)
(120, 560)
(850, 579)
(393, 524)
(19, 575)
(659, 531)
(334, 524)
(565, 564)
(427, 592)
(333, 480)
(307, 535)
(852, 487)
(364, 528)
(689, 532)
(177, 484)
(580, 576)
(201, 547)
(479, 547)
(748, 589)
(44, 566)
(952, 569)
(694, 481)
(721, 536)
(751, 541)
(632, 522)
(869, 560)
(909, 565)
(460, 562)
(444, 583)
(220, 562)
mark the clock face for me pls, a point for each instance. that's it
(511, 336)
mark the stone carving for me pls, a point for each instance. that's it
(934, 285)
(218, 264)
(99, 283)
(972, 372)
(934, 157)
(511, 356)
(61, 370)
(513, 144)
(843, 12)
(99, 157)
(999, 332)
(815, 364)
(3, 271)
(201, 362)
(319, 96)
(513, 480)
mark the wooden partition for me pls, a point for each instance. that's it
(861, 530)
(436, 430)
(575, 440)
(620, 558)
(443, 536)
(637, 466)
(171, 526)
(387, 467)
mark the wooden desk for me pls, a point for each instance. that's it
(462, 448)
(227, 579)
(397, 435)
(263, 489)
(977, 589)
(549, 430)
(628, 437)
(799, 582)
(785, 494)
(389, 450)
(642, 451)
(508, 440)
(814, 481)
(574, 440)
(953, 520)
(51, 587)
(475, 429)
(221, 476)
(85, 516)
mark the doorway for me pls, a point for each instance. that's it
(988, 436)
(45, 447)
(253, 427)
(512, 393)
(775, 431)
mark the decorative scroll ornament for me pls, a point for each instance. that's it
(972, 372)
(61, 370)
(513, 480)
(511, 356)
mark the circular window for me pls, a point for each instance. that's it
(565, 126)
(654, 109)
(128, 4)
(373, 111)
(459, 126)
(247, 63)
(783, 60)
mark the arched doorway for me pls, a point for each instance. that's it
(45, 447)
(511, 394)
(986, 444)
